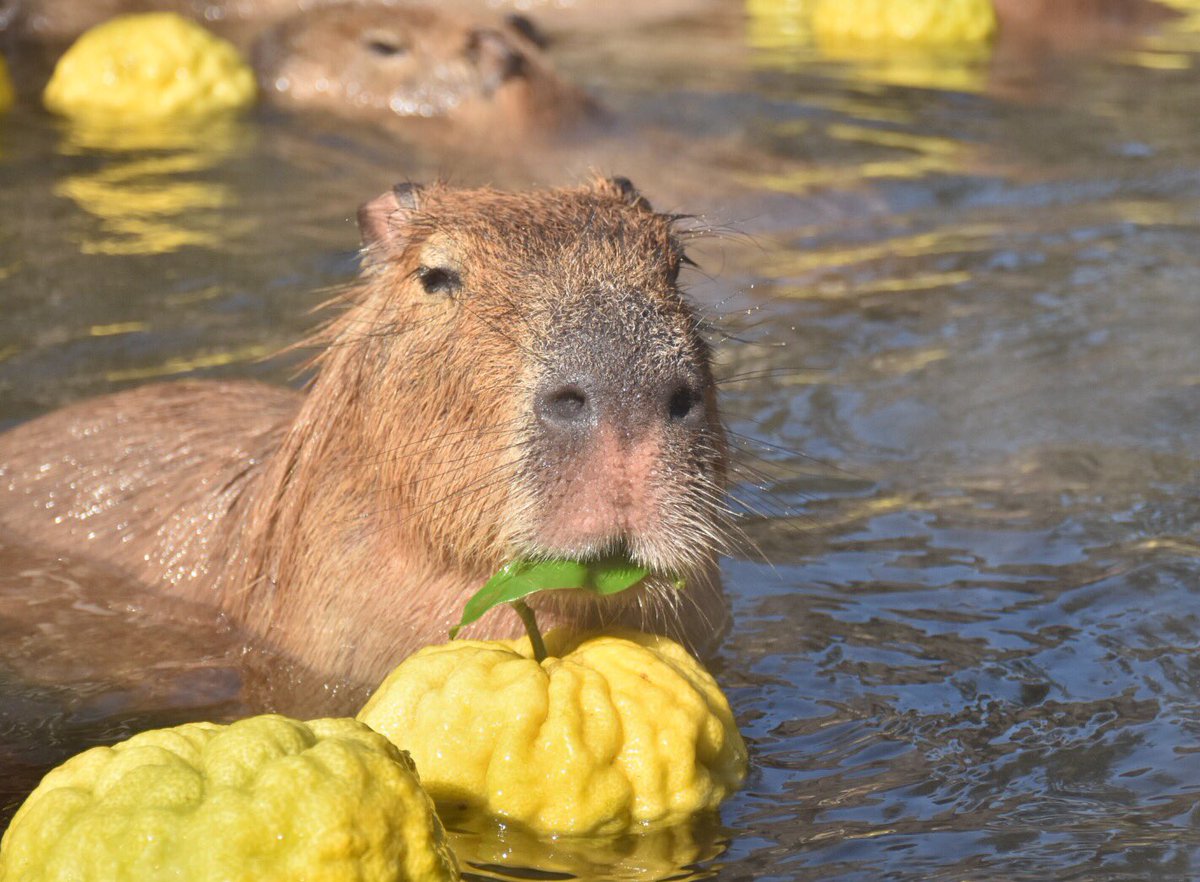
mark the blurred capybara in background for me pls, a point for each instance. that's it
(1063, 25)
(1053, 21)
(374, 61)
(379, 62)
(60, 21)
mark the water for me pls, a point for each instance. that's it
(959, 309)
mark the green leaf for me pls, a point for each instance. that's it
(520, 578)
(614, 575)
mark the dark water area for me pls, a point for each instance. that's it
(957, 304)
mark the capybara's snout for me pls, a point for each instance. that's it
(624, 367)
(625, 450)
(575, 405)
(622, 459)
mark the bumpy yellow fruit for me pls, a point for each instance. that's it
(6, 89)
(610, 731)
(904, 21)
(266, 799)
(149, 67)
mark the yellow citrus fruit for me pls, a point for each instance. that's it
(149, 67)
(1188, 21)
(777, 24)
(904, 21)
(265, 799)
(612, 730)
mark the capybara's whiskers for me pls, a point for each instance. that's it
(457, 462)
(421, 445)
(486, 482)
(777, 373)
(459, 465)
(747, 442)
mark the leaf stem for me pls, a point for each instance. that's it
(529, 620)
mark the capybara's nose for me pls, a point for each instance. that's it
(566, 407)
(577, 406)
(683, 403)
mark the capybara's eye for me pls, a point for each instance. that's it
(679, 262)
(384, 45)
(439, 280)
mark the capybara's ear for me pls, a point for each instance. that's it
(495, 56)
(379, 220)
(527, 28)
(622, 188)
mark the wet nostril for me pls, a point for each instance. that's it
(566, 405)
(683, 403)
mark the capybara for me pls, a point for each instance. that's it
(513, 375)
(484, 76)
(1063, 25)
(381, 62)
(592, 16)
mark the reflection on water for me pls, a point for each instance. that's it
(145, 192)
(496, 851)
(6, 89)
(963, 379)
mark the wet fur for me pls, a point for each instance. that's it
(483, 74)
(1064, 25)
(347, 526)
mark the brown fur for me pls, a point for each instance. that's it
(60, 21)
(387, 63)
(347, 526)
(485, 75)
(1060, 25)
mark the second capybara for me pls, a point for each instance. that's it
(514, 375)
(60, 21)
(1065, 25)
(384, 62)
(472, 75)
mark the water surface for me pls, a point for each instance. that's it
(958, 311)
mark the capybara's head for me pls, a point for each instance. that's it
(384, 61)
(528, 379)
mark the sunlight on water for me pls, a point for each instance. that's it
(957, 310)
(175, 366)
(838, 289)
(146, 204)
(939, 243)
